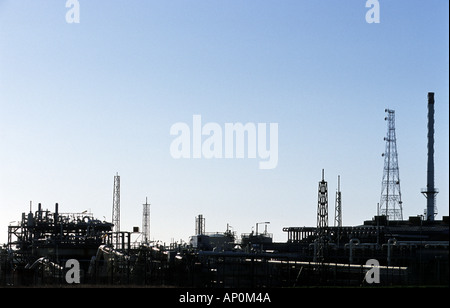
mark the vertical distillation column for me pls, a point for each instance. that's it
(116, 211)
(199, 225)
(391, 200)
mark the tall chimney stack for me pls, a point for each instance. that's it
(430, 192)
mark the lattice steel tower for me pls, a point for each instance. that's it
(116, 209)
(146, 222)
(391, 198)
(338, 206)
(322, 219)
(322, 205)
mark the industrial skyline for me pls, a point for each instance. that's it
(83, 102)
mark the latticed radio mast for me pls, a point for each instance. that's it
(116, 210)
(322, 218)
(146, 222)
(322, 205)
(391, 198)
(338, 206)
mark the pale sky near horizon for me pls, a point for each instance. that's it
(82, 102)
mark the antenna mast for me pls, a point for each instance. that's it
(338, 206)
(116, 209)
(322, 218)
(391, 199)
(146, 222)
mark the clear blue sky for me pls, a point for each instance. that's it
(80, 102)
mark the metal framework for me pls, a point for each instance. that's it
(338, 206)
(322, 205)
(391, 199)
(146, 222)
(322, 218)
(199, 225)
(116, 207)
(55, 235)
